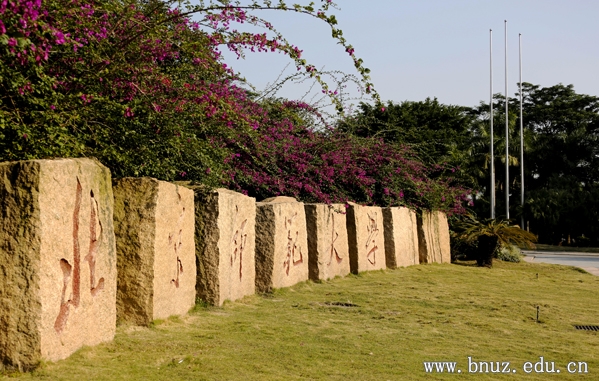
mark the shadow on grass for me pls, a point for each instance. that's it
(465, 263)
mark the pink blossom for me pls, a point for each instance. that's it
(129, 113)
(59, 38)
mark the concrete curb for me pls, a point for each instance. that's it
(538, 252)
(529, 257)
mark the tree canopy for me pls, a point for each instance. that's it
(434, 130)
(562, 165)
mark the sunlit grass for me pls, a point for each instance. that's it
(376, 326)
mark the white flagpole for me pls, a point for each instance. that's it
(491, 121)
(521, 138)
(507, 163)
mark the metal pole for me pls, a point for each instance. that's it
(521, 138)
(491, 121)
(507, 162)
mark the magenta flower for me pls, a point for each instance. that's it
(59, 38)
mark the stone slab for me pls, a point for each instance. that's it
(281, 245)
(401, 237)
(225, 232)
(328, 250)
(154, 227)
(433, 237)
(57, 259)
(366, 238)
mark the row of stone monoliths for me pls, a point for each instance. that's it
(79, 252)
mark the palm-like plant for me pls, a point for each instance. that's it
(490, 234)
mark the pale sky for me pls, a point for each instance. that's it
(440, 48)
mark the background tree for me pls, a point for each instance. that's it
(433, 130)
(562, 166)
(439, 135)
(479, 163)
(561, 157)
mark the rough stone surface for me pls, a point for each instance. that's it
(281, 245)
(279, 199)
(225, 232)
(154, 227)
(366, 238)
(57, 259)
(433, 237)
(328, 251)
(401, 237)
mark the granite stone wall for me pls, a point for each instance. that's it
(225, 231)
(154, 227)
(401, 237)
(77, 251)
(366, 238)
(433, 237)
(328, 250)
(281, 243)
(57, 259)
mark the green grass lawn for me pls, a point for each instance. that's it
(377, 326)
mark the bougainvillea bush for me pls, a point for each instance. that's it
(287, 158)
(141, 85)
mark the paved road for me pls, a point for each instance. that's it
(587, 261)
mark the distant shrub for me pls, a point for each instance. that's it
(509, 253)
(583, 241)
